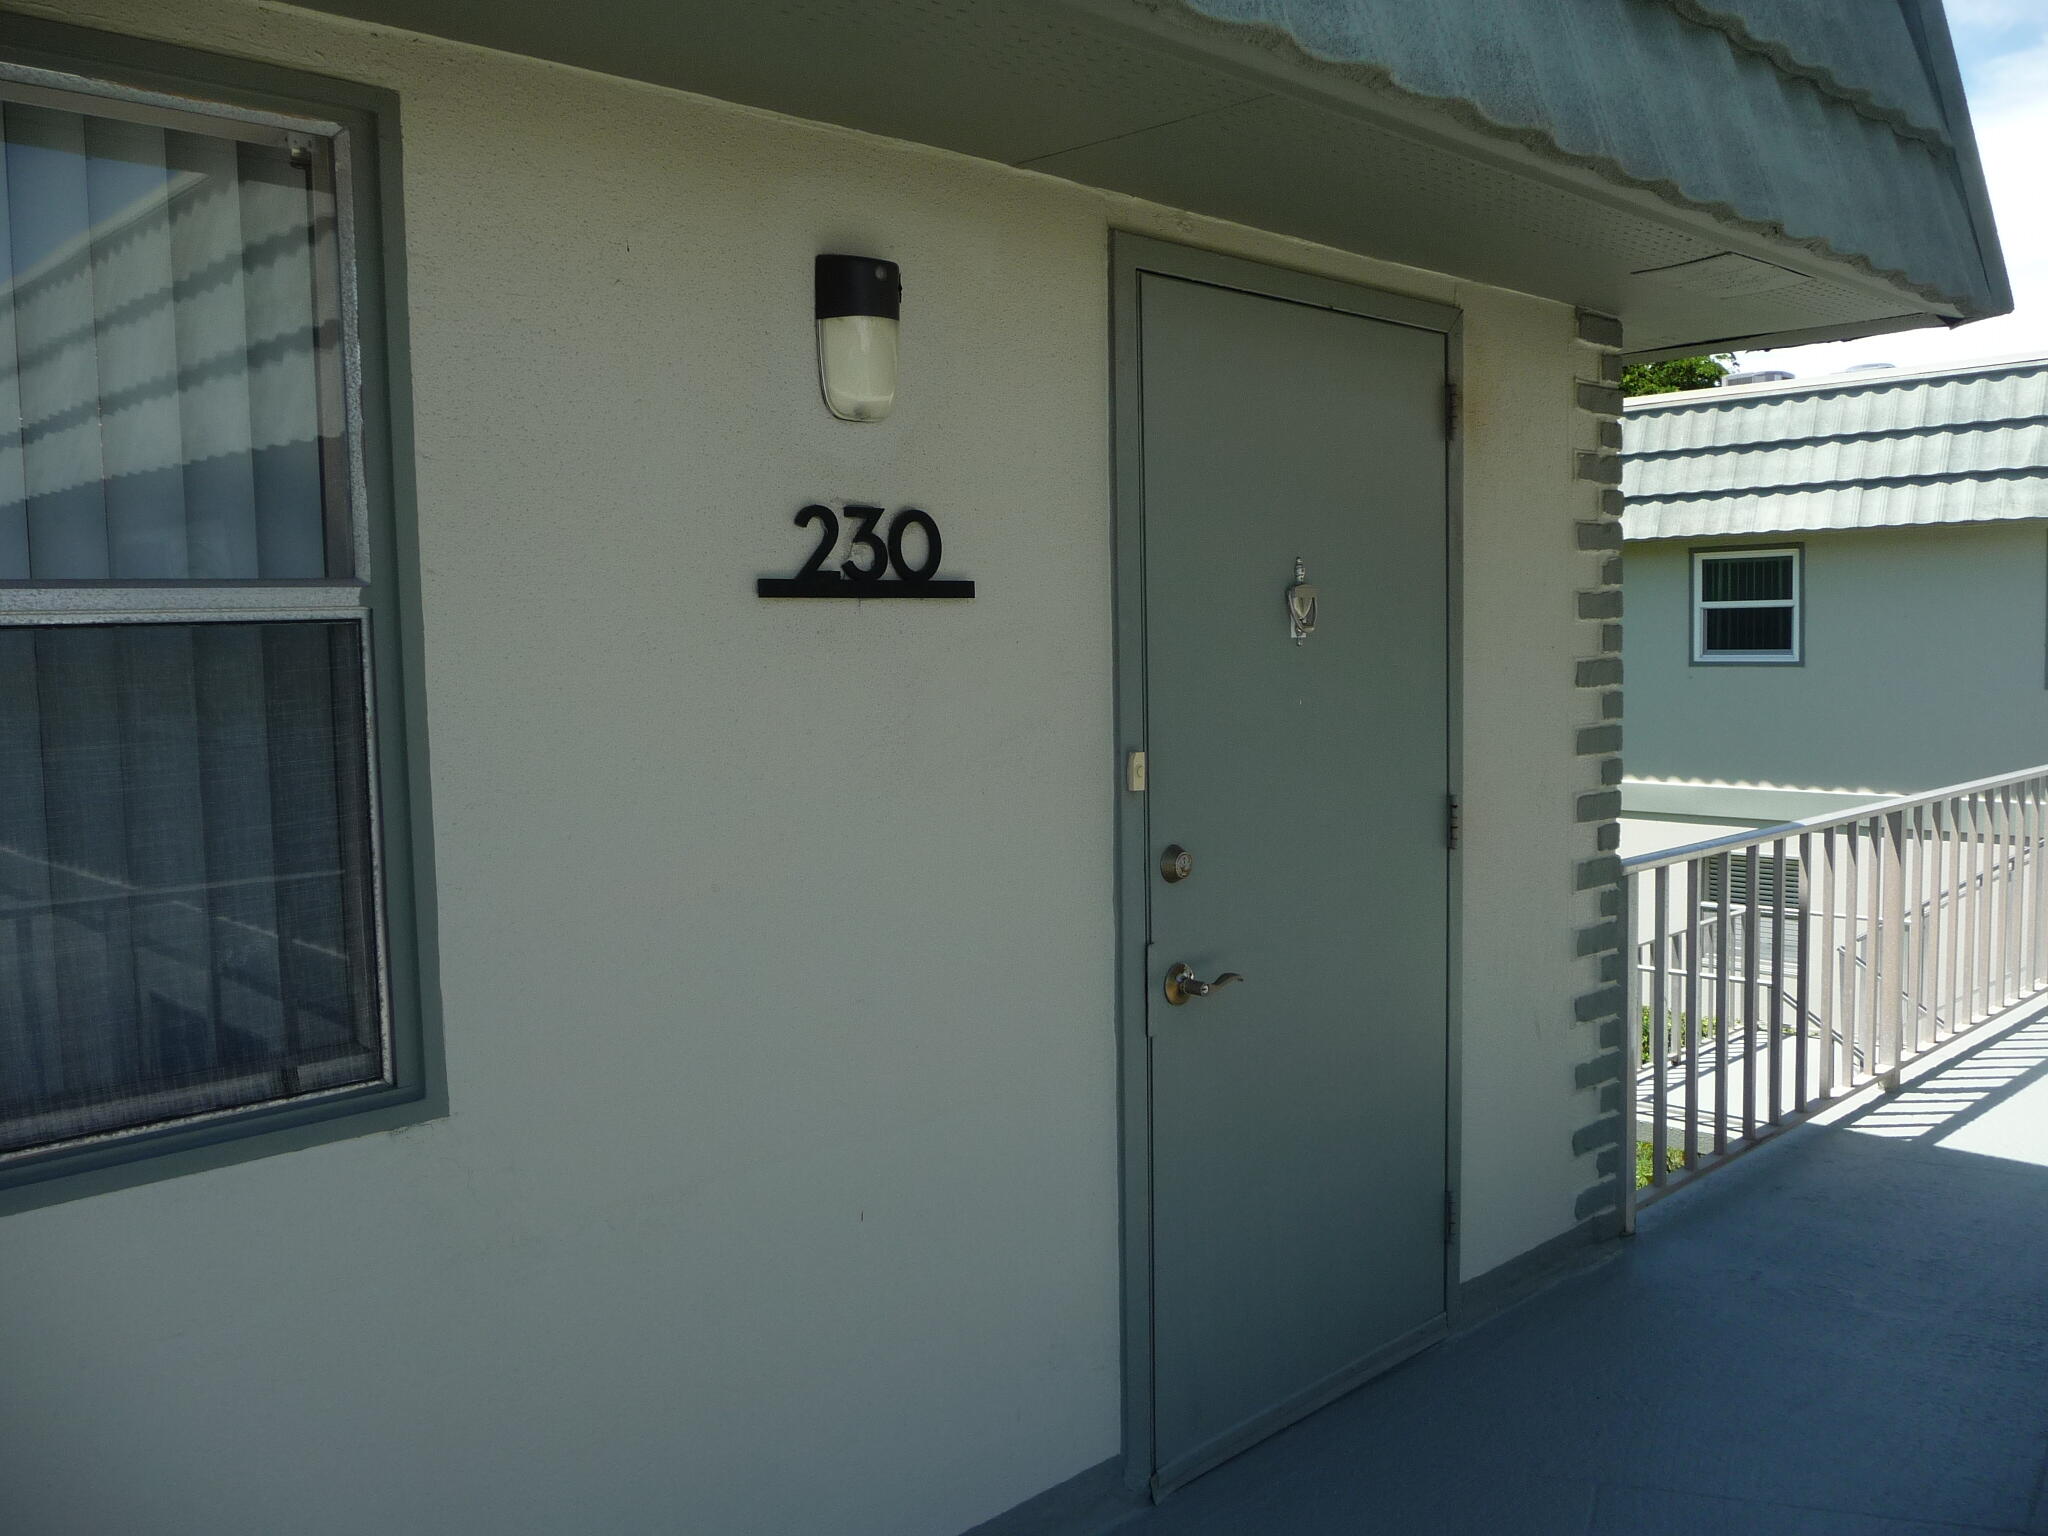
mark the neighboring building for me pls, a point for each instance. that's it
(743, 1078)
(1837, 591)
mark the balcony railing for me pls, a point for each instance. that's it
(1775, 971)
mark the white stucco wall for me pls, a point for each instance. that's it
(1926, 664)
(778, 1193)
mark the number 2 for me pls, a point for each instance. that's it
(826, 540)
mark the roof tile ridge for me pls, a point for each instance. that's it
(1855, 435)
(1736, 29)
(1846, 483)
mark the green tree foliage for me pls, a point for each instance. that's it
(1674, 374)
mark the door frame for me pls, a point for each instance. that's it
(1130, 256)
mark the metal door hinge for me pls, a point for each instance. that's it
(1450, 1215)
(1451, 818)
(1134, 772)
(1450, 410)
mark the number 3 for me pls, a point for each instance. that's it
(867, 517)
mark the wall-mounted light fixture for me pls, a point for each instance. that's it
(859, 301)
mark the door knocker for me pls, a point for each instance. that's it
(1301, 605)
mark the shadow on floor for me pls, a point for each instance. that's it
(1845, 1332)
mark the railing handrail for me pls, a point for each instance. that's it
(1734, 840)
(1913, 919)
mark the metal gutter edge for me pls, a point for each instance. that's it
(1762, 341)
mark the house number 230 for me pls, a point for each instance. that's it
(875, 554)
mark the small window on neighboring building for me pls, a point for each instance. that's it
(1746, 606)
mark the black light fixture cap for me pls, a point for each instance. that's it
(859, 285)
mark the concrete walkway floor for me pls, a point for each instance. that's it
(1845, 1332)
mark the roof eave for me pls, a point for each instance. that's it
(1273, 58)
(1765, 340)
(1929, 23)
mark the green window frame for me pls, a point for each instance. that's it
(331, 608)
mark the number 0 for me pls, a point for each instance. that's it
(911, 517)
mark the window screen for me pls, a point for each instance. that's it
(189, 913)
(185, 896)
(168, 327)
(1746, 606)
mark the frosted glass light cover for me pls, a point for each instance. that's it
(857, 365)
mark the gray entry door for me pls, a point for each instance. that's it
(1298, 1117)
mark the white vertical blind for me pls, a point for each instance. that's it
(160, 354)
(187, 888)
(185, 872)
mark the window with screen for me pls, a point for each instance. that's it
(192, 925)
(1746, 606)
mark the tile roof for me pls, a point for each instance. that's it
(1868, 450)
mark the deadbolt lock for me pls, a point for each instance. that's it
(1176, 864)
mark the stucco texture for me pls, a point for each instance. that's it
(778, 1192)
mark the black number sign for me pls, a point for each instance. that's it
(867, 577)
(865, 538)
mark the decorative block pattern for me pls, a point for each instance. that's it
(1606, 1068)
(1598, 330)
(1600, 468)
(1599, 671)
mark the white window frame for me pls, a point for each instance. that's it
(1793, 656)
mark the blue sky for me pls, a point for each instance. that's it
(2003, 48)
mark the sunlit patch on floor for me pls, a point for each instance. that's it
(1993, 1101)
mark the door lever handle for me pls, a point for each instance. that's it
(1182, 984)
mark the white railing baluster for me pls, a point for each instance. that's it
(1906, 989)
(1660, 1034)
(1913, 1006)
(1909, 922)
(1951, 977)
(1803, 1002)
(2030, 923)
(2001, 905)
(1721, 1010)
(1987, 822)
(1693, 959)
(1973, 887)
(1829, 959)
(1854, 973)
(1751, 870)
(2009, 976)
(1774, 1019)
(1888, 902)
(2023, 891)
(2035, 791)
